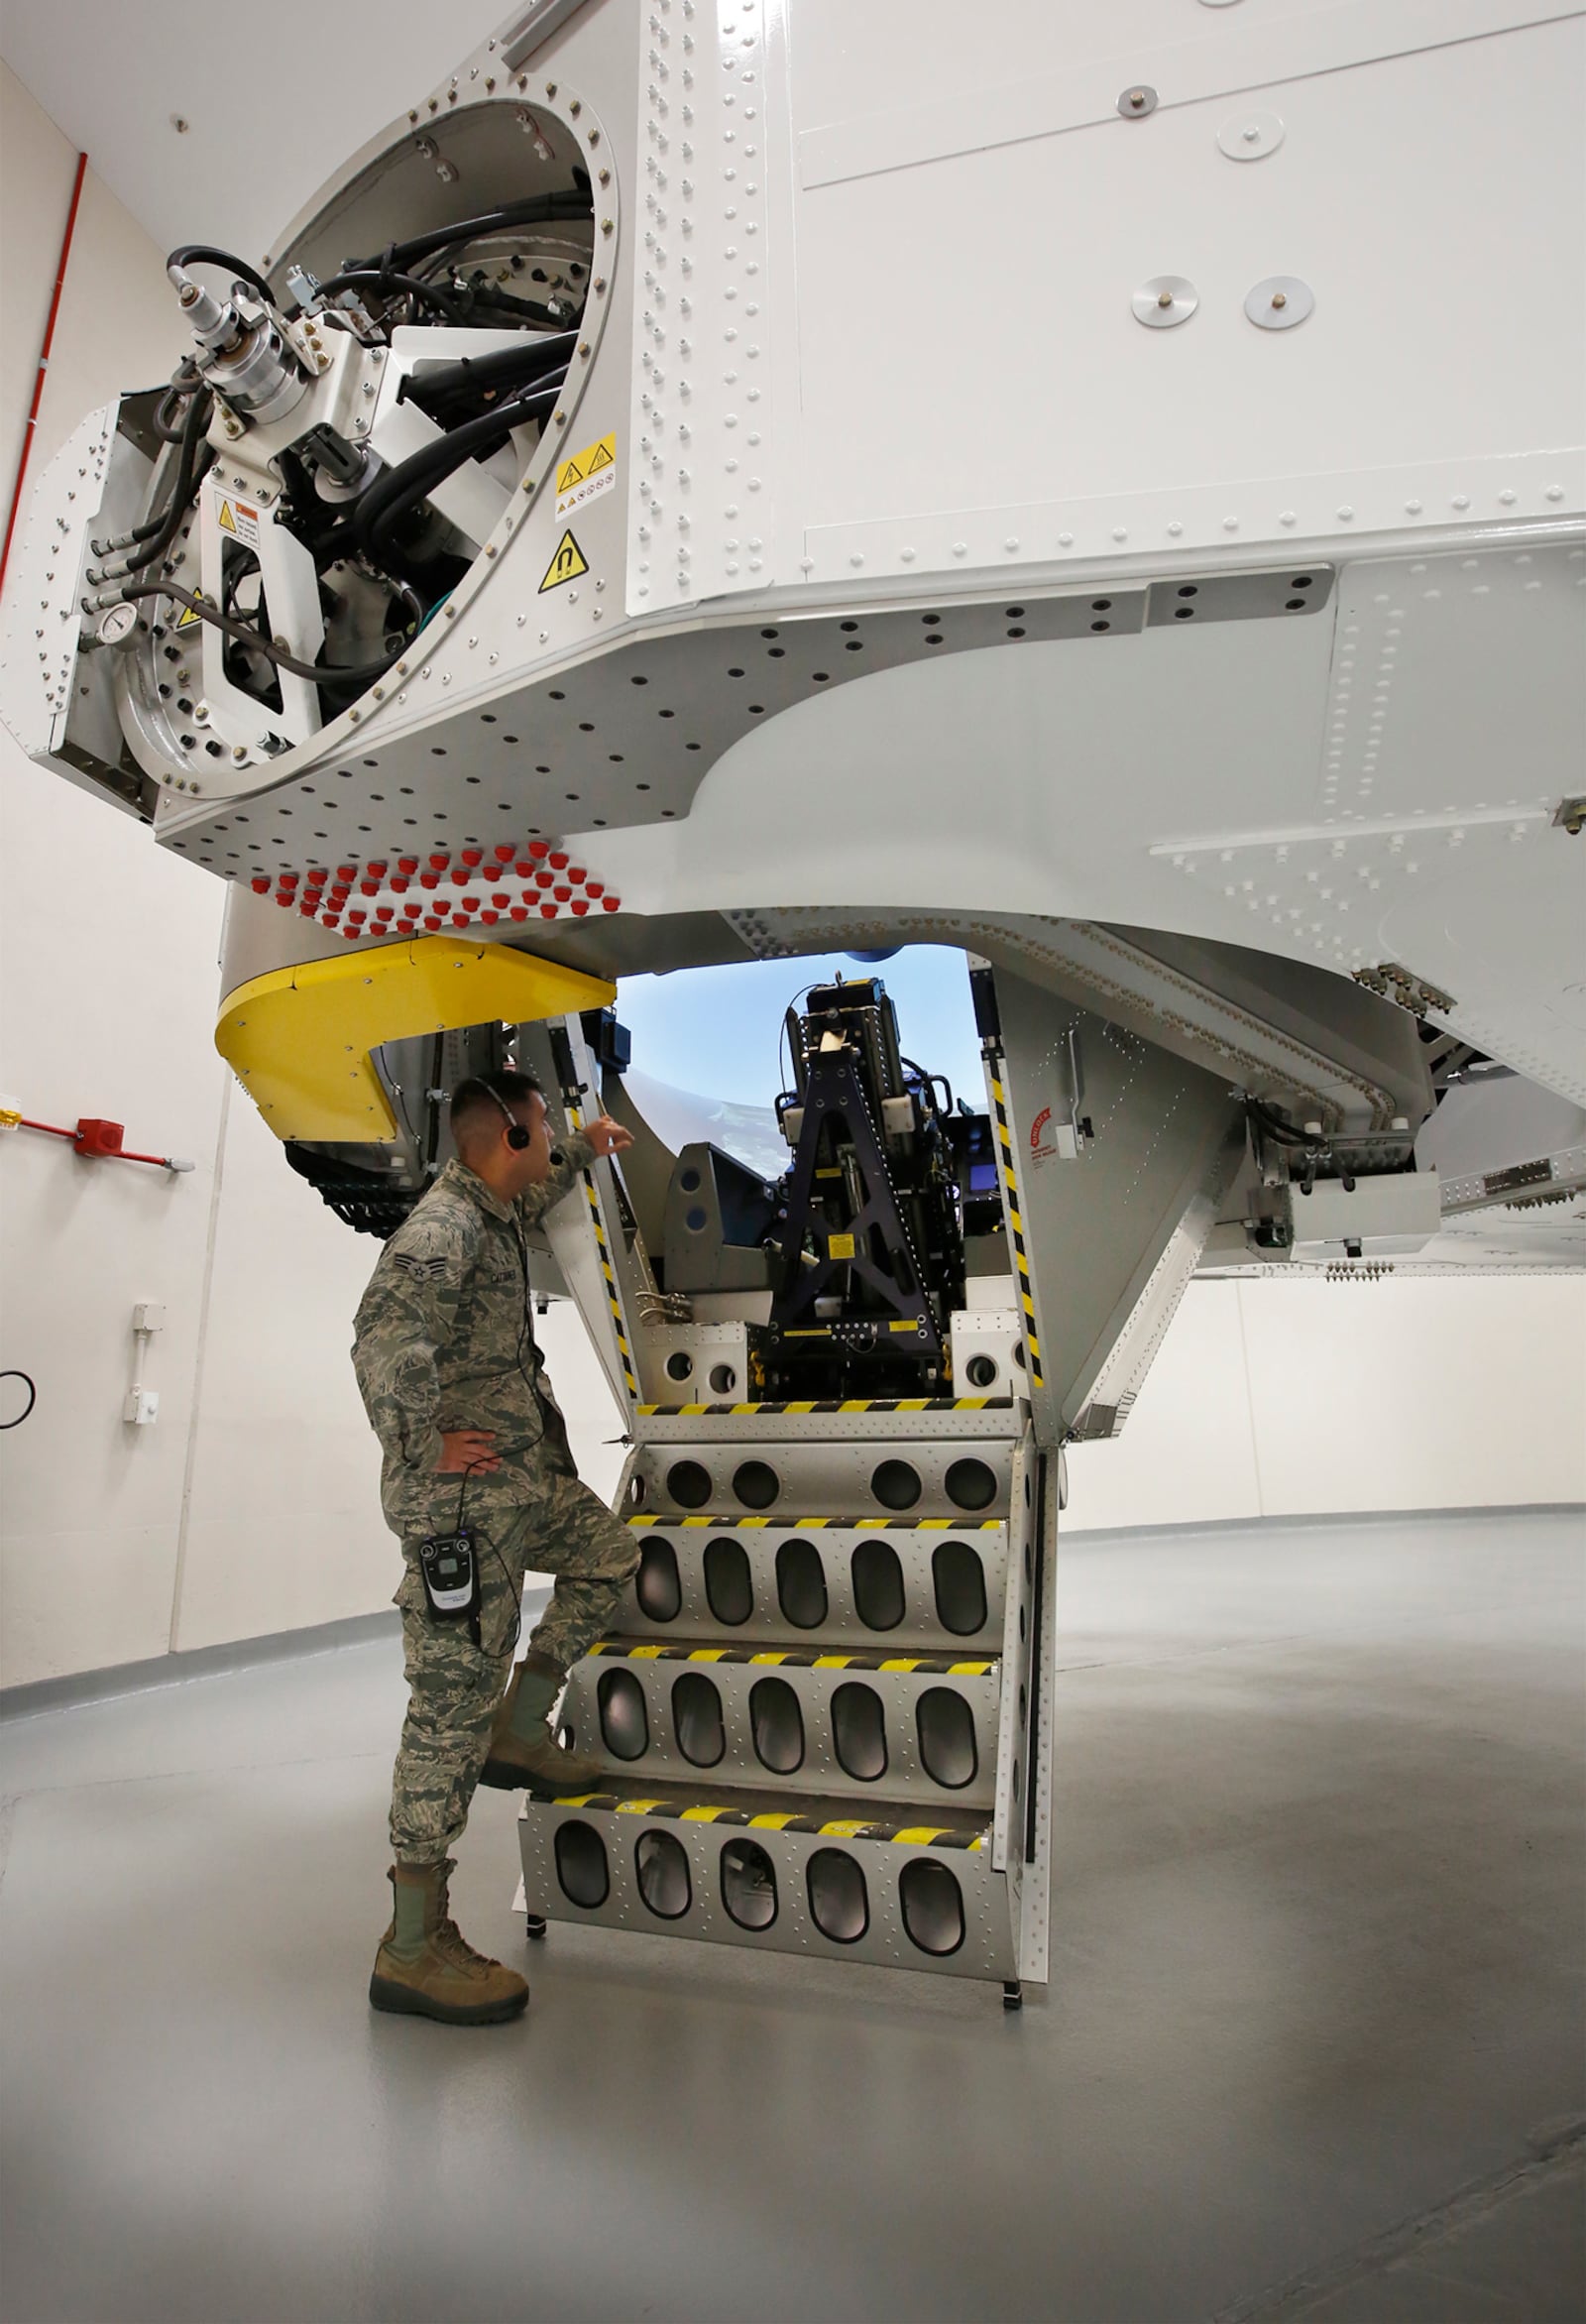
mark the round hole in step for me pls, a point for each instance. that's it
(724, 1379)
(896, 1485)
(689, 1483)
(970, 1484)
(755, 1483)
(679, 1365)
(980, 1371)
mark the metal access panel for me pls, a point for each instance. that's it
(908, 1479)
(916, 1731)
(1094, 1214)
(780, 1877)
(920, 1591)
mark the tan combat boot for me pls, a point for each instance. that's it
(426, 1969)
(522, 1751)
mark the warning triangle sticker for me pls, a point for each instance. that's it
(568, 475)
(226, 521)
(566, 565)
(603, 456)
(189, 619)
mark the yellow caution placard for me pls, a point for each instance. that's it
(586, 474)
(566, 565)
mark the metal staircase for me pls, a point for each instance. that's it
(819, 1721)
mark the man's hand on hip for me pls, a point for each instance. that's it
(607, 1136)
(468, 1449)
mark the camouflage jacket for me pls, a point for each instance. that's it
(444, 1339)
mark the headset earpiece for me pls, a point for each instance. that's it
(518, 1137)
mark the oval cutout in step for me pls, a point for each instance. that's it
(625, 1727)
(801, 1583)
(656, 1585)
(859, 1732)
(933, 1908)
(748, 1885)
(839, 1905)
(944, 1726)
(662, 1867)
(728, 1588)
(958, 1579)
(777, 1726)
(697, 1720)
(877, 1585)
(581, 1865)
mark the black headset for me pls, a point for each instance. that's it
(518, 1136)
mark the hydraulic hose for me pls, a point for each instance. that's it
(190, 474)
(317, 674)
(476, 374)
(403, 487)
(202, 254)
(537, 210)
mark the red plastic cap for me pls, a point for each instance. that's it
(490, 919)
(519, 911)
(558, 863)
(260, 886)
(505, 853)
(539, 846)
(473, 855)
(319, 877)
(407, 865)
(429, 879)
(575, 872)
(439, 862)
(374, 871)
(596, 887)
(500, 902)
(346, 871)
(547, 911)
(611, 903)
(581, 905)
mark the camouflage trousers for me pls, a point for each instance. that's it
(455, 1687)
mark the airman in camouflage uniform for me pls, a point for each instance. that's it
(473, 1440)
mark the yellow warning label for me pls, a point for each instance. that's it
(189, 619)
(585, 474)
(566, 565)
(839, 1247)
(227, 521)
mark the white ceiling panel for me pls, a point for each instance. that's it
(274, 99)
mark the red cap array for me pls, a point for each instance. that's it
(462, 890)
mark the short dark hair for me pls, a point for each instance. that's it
(487, 1092)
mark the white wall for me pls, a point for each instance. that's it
(1273, 1399)
(251, 1506)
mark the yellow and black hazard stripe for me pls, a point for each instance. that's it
(906, 1835)
(850, 1404)
(613, 1300)
(825, 1524)
(1021, 1257)
(793, 1658)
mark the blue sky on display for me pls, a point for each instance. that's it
(715, 1031)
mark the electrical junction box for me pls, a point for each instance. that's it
(141, 1408)
(149, 1316)
(1388, 1217)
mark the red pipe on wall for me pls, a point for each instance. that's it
(43, 365)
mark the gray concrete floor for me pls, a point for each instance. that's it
(1312, 2048)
